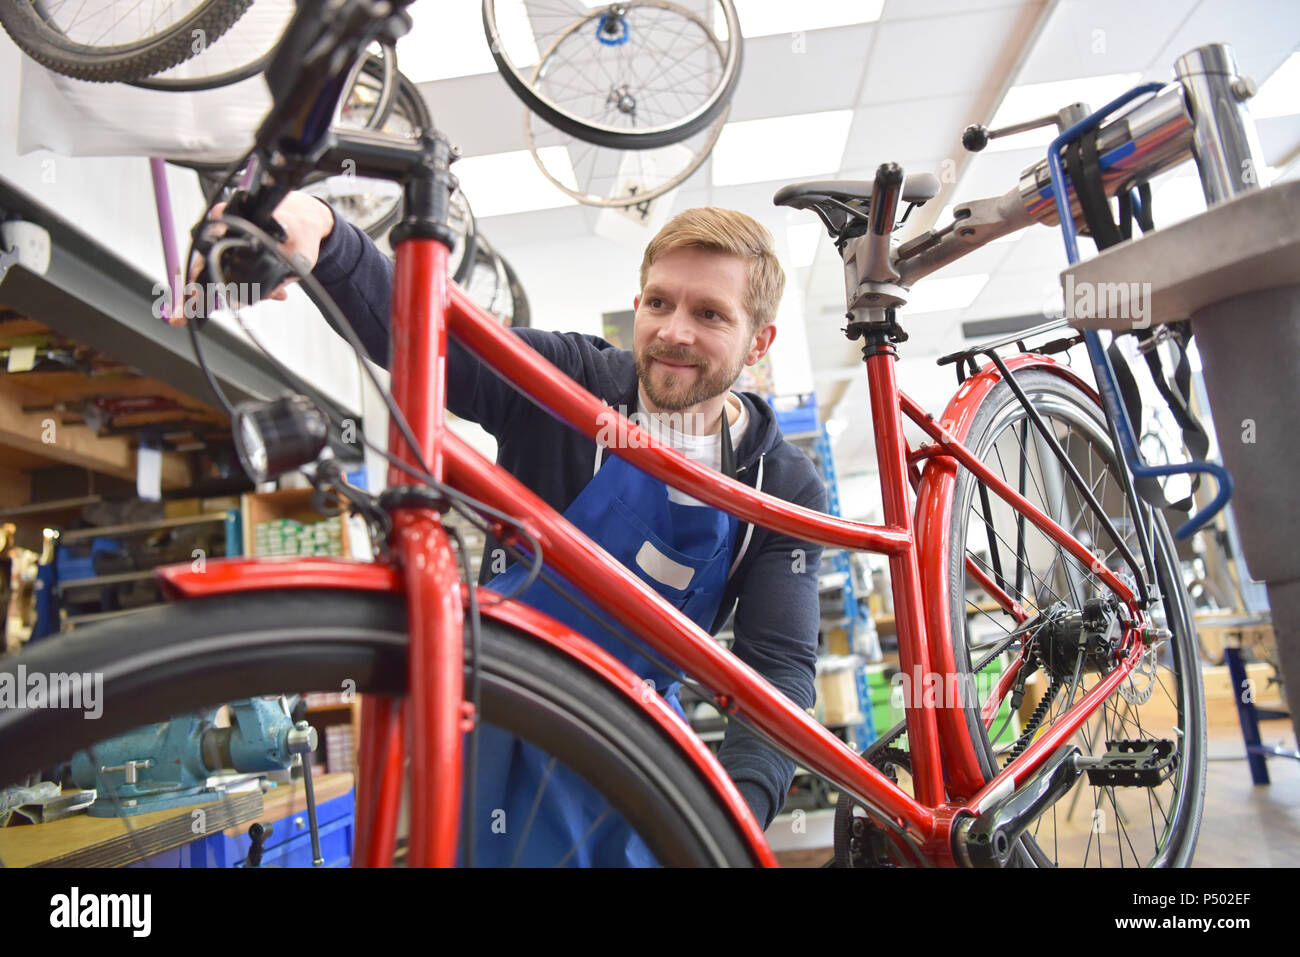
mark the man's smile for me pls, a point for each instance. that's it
(675, 366)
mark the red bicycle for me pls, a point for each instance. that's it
(1054, 710)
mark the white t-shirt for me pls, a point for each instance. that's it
(704, 449)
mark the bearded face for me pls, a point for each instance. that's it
(693, 335)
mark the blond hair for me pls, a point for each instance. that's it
(727, 231)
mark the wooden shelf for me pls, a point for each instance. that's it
(136, 528)
(119, 578)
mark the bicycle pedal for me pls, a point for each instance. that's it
(1134, 764)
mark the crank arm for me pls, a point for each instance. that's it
(988, 840)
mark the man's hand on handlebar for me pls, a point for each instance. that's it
(307, 222)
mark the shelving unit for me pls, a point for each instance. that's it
(83, 585)
(839, 594)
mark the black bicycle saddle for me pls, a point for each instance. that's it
(828, 199)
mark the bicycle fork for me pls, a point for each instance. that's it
(435, 713)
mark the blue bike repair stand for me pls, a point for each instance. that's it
(1247, 713)
(1106, 383)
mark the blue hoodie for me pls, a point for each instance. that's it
(774, 589)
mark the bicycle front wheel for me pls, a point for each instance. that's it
(1092, 826)
(183, 658)
(107, 41)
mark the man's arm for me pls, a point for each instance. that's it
(776, 627)
(360, 280)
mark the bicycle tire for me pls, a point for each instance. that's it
(244, 51)
(1062, 404)
(375, 70)
(606, 134)
(43, 41)
(486, 282)
(165, 661)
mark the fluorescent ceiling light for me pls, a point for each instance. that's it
(940, 295)
(1280, 94)
(762, 18)
(802, 240)
(1032, 100)
(782, 147)
(501, 183)
(447, 40)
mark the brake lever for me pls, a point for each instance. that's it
(246, 265)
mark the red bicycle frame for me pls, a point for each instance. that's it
(946, 775)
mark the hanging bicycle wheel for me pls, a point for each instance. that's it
(177, 662)
(627, 75)
(614, 178)
(243, 52)
(494, 286)
(1161, 701)
(375, 206)
(375, 91)
(115, 40)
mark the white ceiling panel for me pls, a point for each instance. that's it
(1097, 37)
(992, 174)
(557, 225)
(1018, 293)
(1280, 138)
(891, 131)
(479, 114)
(789, 74)
(1252, 27)
(937, 56)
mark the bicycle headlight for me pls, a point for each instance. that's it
(276, 437)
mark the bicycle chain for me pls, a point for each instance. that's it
(1040, 711)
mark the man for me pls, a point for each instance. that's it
(710, 286)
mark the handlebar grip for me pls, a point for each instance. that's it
(250, 261)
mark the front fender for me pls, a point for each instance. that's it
(234, 575)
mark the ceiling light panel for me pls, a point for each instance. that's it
(802, 145)
(501, 183)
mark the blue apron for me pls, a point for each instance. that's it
(683, 553)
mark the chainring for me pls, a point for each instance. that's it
(858, 841)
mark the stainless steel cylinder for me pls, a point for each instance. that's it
(1225, 145)
(1149, 139)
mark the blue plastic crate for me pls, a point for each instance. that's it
(78, 561)
(796, 414)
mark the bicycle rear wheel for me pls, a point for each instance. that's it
(108, 41)
(167, 661)
(1162, 699)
